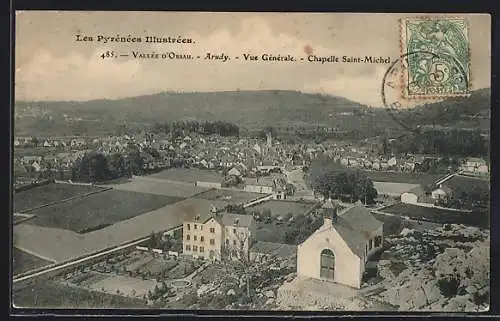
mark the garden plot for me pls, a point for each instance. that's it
(281, 208)
(49, 193)
(98, 210)
(124, 285)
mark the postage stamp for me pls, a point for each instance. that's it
(442, 65)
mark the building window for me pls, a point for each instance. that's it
(327, 267)
(212, 241)
(188, 237)
(195, 226)
(195, 238)
(202, 239)
(378, 241)
(202, 249)
(188, 247)
(371, 244)
(242, 243)
(234, 231)
(195, 248)
(201, 227)
(234, 242)
(227, 242)
(212, 230)
(189, 227)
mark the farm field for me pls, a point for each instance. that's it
(188, 175)
(281, 208)
(158, 187)
(99, 210)
(397, 177)
(392, 189)
(438, 215)
(231, 196)
(41, 195)
(23, 262)
(49, 294)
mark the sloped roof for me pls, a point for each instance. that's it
(241, 220)
(445, 189)
(274, 249)
(417, 190)
(355, 224)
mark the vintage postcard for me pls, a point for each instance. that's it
(251, 161)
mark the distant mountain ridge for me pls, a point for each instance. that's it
(234, 106)
(244, 108)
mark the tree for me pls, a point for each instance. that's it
(155, 240)
(236, 208)
(289, 189)
(60, 174)
(351, 184)
(93, 167)
(240, 253)
(230, 180)
(35, 141)
(117, 166)
(48, 173)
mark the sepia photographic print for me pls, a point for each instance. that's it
(251, 161)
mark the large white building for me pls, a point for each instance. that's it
(221, 235)
(338, 250)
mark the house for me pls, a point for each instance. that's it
(414, 196)
(441, 193)
(221, 235)
(263, 185)
(475, 165)
(234, 171)
(46, 144)
(30, 159)
(239, 234)
(392, 162)
(36, 166)
(339, 249)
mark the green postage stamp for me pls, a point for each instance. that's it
(437, 57)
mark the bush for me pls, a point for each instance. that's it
(481, 298)
(449, 285)
(190, 298)
(397, 267)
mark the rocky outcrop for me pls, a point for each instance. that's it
(441, 270)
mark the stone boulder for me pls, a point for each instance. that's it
(269, 294)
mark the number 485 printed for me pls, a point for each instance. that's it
(108, 54)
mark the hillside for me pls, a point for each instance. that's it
(249, 109)
(471, 112)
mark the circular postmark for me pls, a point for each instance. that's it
(432, 75)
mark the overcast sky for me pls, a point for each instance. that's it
(51, 65)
